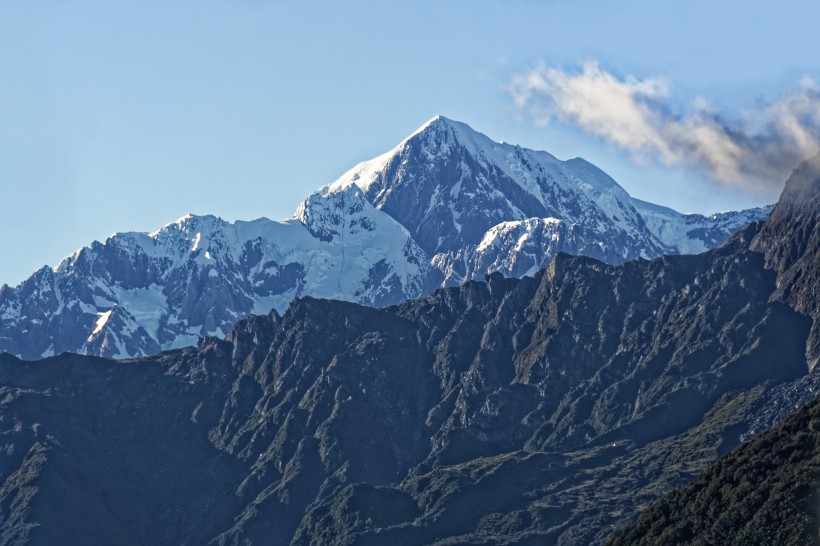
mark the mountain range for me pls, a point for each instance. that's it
(542, 410)
(445, 206)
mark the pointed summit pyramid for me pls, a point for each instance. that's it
(469, 201)
(449, 185)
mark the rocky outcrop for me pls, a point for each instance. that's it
(790, 241)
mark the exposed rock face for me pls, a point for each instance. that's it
(446, 205)
(541, 410)
(790, 240)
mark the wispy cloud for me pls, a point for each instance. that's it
(754, 151)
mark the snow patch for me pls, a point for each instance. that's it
(102, 320)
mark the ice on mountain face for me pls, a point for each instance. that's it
(360, 242)
(139, 293)
(107, 336)
(147, 305)
(671, 229)
(521, 248)
(517, 248)
(328, 215)
(446, 205)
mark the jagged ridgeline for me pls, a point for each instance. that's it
(542, 410)
(446, 205)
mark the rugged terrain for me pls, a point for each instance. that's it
(446, 205)
(764, 492)
(542, 410)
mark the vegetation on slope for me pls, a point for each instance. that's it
(765, 492)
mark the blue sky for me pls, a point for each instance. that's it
(119, 116)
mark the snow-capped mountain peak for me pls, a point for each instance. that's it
(447, 204)
(449, 185)
(331, 214)
(138, 293)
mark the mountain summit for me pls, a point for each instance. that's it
(449, 185)
(478, 206)
(446, 205)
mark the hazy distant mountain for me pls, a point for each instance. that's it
(446, 205)
(695, 233)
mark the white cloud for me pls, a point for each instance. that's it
(755, 152)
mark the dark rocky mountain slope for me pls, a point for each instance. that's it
(790, 241)
(764, 492)
(542, 410)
